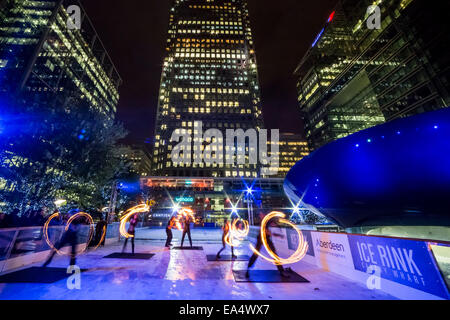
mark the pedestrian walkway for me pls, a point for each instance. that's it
(182, 275)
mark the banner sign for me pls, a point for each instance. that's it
(292, 240)
(407, 262)
(331, 249)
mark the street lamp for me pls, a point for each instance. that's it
(60, 202)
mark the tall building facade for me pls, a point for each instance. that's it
(47, 63)
(292, 148)
(140, 160)
(209, 76)
(354, 77)
(50, 61)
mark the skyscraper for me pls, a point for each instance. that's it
(209, 75)
(354, 77)
(47, 60)
(49, 64)
(292, 149)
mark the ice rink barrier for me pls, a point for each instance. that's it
(405, 268)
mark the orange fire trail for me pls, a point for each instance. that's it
(128, 214)
(72, 218)
(183, 213)
(240, 233)
(234, 233)
(298, 255)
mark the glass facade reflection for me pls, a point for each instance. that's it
(45, 63)
(353, 77)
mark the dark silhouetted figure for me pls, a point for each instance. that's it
(100, 226)
(258, 246)
(69, 237)
(226, 229)
(132, 231)
(187, 230)
(169, 232)
(3, 220)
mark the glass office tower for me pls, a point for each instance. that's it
(46, 61)
(209, 75)
(292, 148)
(354, 77)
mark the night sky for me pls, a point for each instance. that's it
(134, 33)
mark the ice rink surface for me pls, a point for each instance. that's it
(182, 275)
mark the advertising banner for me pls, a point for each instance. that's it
(292, 240)
(332, 249)
(407, 262)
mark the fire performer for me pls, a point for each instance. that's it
(69, 237)
(169, 227)
(270, 244)
(186, 229)
(226, 230)
(131, 231)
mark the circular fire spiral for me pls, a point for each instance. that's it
(72, 218)
(298, 255)
(182, 213)
(145, 207)
(235, 233)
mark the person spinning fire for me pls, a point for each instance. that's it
(69, 237)
(131, 231)
(186, 229)
(259, 244)
(226, 230)
(169, 227)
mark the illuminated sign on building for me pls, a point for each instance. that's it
(184, 199)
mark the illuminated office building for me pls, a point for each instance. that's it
(45, 66)
(209, 75)
(353, 77)
(140, 160)
(44, 61)
(292, 148)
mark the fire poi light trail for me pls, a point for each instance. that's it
(72, 218)
(240, 233)
(298, 255)
(145, 207)
(182, 213)
(236, 233)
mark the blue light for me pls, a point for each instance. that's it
(398, 132)
(80, 137)
(369, 140)
(249, 190)
(175, 208)
(436, 127)
(357, 145)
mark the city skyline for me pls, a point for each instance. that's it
(140, 66)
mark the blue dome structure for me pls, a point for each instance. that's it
(397, 173)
